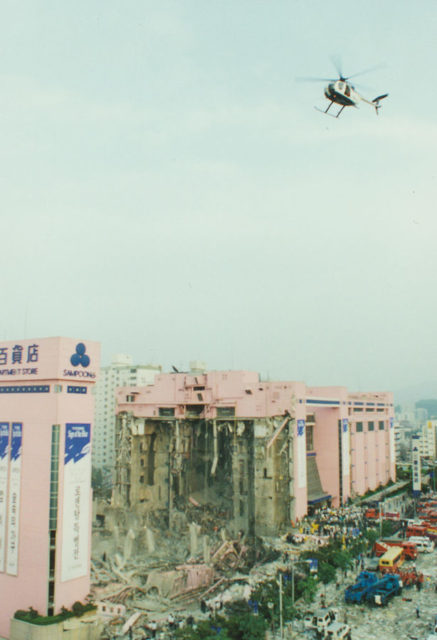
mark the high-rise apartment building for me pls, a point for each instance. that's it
(120, 373)
(46, 415)
(427, 440)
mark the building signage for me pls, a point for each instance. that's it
(4, 449)
(77, 493)
(48, 358)
(13, 527)
(80, 360)
(301, 455)
(345, 447)
(415, 460)
(19, 360)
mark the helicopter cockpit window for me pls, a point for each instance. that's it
(341, 86)
(347, 91)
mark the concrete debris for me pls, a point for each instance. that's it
(151, 576)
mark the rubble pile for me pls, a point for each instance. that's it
(151, 575)
(164, 570)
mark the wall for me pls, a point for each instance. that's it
(84, 628)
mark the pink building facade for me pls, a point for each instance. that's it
(277, 449)
(46, 415)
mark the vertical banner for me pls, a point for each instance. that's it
(4, 450)
(392, 442)
(14, 499)
(345, 444)
(415, 459)
(76, 509)
(301, 455)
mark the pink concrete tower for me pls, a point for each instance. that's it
(46, 414)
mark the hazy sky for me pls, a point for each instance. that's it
(168, 189)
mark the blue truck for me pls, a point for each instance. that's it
(383, 590)
(368, 588)
(356, 593)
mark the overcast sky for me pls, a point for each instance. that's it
(168, 189)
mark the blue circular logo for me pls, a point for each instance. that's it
(80, 357)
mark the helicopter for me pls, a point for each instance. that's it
(341, 92)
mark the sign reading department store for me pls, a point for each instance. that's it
(49, 358)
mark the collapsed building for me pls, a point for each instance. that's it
(263, 453)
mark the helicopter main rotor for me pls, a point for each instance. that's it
(340, 75)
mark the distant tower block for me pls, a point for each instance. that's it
(46, 414)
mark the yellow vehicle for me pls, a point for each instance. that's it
(391, 560)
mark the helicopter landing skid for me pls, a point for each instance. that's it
(333, 115)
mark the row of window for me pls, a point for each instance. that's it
(41, 388)
(359, 426)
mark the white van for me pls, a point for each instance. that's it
(338, 631)
(320, 619)
(422, 543)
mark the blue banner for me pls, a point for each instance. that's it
(4, 439)
(77, 442)
(4, 464)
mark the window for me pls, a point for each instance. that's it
(54, 472)
(371, 426)
(225, 412)
(141, 479)
(381, 425)
(57, 388)
(309, 437)
(129, 398)
(359, 427)
(166, 412)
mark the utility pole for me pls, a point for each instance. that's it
(281, 621)
(381, 510)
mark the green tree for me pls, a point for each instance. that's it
(309, 588)
(246, 627)
(326, 572)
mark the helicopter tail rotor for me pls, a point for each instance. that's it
(376, 101)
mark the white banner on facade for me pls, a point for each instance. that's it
(76, 509)
(415, 459)
(301, 455)
(4, 463)
(345, 444)
(392, 442)
(14, 498)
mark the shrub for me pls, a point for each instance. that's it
(33, 617)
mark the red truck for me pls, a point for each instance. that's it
(428, 515)
(375, 514)
(426, 529)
